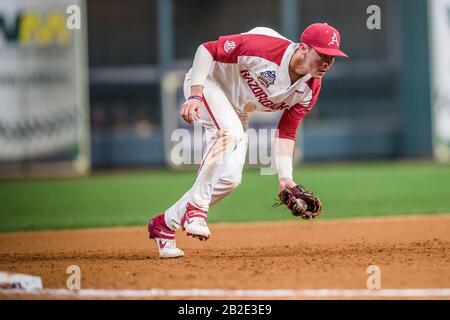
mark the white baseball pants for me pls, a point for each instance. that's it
(221, 168)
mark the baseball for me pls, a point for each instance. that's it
(300, 205)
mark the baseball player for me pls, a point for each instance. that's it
(259, 70)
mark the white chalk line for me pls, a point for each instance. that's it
(278, 293)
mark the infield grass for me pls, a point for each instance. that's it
(123, 199)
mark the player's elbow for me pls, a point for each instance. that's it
(290, 135)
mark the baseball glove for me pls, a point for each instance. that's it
(300, 201)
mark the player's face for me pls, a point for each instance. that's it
(318, 63)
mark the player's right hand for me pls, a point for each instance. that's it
(190, 110)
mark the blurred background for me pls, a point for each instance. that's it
(106, 95)
(96, 99)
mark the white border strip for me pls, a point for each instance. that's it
(279, 293)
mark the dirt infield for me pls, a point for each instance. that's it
(412, 252)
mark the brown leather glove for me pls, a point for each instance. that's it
(300, 201)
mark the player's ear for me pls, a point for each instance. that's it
(303, 47)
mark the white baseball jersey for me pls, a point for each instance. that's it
(253, 71)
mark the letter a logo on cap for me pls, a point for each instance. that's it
(334, 39)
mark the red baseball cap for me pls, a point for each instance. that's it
(324, 38)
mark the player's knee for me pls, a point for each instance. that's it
(227, 142)
(235, 135)
(232, 181)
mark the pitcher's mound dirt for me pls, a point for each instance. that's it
(412, 252)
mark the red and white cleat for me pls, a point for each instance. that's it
(194, 223)
(164, 238)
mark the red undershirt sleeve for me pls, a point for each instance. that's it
(290, 120)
